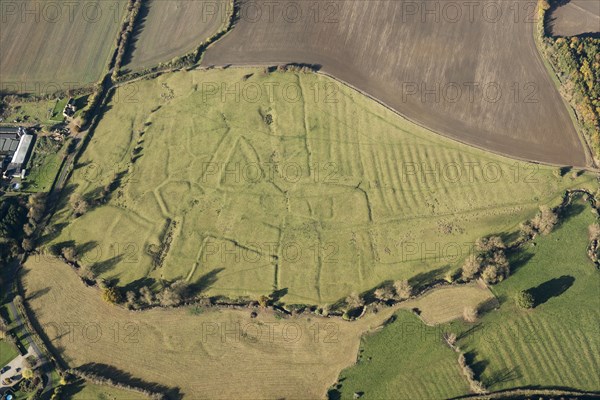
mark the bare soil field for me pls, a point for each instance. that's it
(447, 66)
(575, 17)
(217, 354)
(51, 46)
(173, 28)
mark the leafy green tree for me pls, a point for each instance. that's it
(524, 299)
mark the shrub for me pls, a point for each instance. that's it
(146, 295)
(69, 254)
(527, 230)
(78, 204)
(111, 295)
(524, 299)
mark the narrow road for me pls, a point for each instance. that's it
(45, 366)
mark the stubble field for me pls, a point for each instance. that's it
(217, 354)
(314, 189)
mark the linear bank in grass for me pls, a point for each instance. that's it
(244, 181)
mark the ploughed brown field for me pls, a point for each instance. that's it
(169, 29)
(467, 70)
(575, 17)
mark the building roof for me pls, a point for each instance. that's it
(8, 143)
(22, 149)
(9, 130)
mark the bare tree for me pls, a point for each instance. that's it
(147, 295)
(471, 267)
(545, 220)
(384, 293)
(403, 289)
(354, 301)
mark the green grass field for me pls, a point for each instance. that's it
(554, 345)
(51, 46)
(44, 165)
(404, 360)
(7, 352)
(558, 342)
(286, 180)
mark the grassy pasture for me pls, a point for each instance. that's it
(7, 352)
(217, 354)
(557, 343)
(554, 345)
(44, 164)
(51, 46)
(317, 190)
(169, 29)
(404, 360)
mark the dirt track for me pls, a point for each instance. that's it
(470, 73)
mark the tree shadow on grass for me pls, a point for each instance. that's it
(37, 294)
(425, 278)
(53, 232)
(205, 281)
(84, 248)
(569, 212)
(549, 289)
(518, 259)
(140, 283)
(72, 389)
(502, 376)
(57, 248)
(476, 366)
(120, 376)
(105, 266)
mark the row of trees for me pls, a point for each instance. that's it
(489, 261)
(36, 206)
(101, 380)
(126, 31)
(172, 294)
